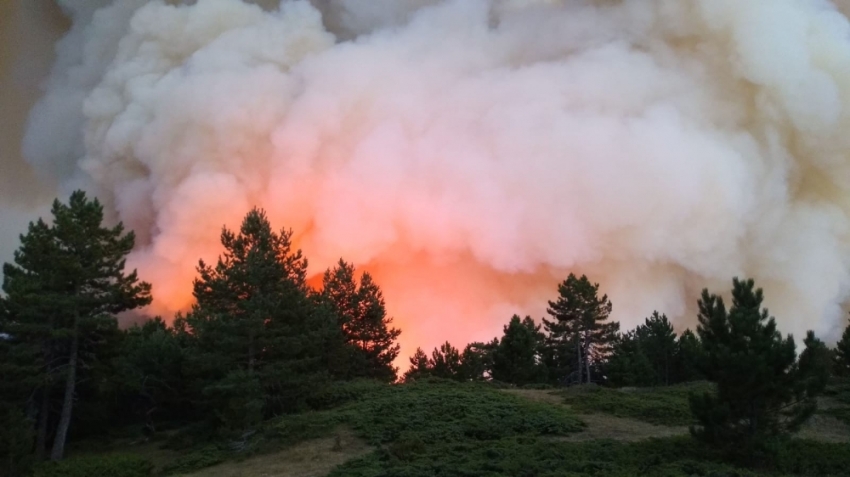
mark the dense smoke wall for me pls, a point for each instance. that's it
(28, 30)
(472, 153)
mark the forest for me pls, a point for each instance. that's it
(263, 363)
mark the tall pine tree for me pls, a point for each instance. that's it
(419, 367)
(762, 392)
(362, 315)
(256, 338)
(516, 358)
(658, 343)
(64, 289)
(581, 321)
(842, 354)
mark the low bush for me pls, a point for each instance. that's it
(111, 465)
(542, 457)
(667, 406)
(449, 411)
(195, 460)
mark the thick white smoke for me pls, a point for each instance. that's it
(472, 153)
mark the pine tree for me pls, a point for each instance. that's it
(149, 371)
(687, 358)
(581, 320)
(363, 317)
(256, 338)
(64, 288)
(628, 364)
(445, 362)
(842, 354)
(419, 367)
(476, 361)
(516, 359)
(762, 393)
(658, 342)
(815, 364)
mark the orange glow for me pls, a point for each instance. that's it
(431, 300)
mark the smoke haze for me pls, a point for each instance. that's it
(471, 153)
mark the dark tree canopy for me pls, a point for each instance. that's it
(256, 339)
(762, 392)
(362, 314)
(67, 282)
(581, 324)
(659, 345)
(516, 358)
(842, 354)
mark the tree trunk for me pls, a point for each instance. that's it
(68, 402)
(578, 356)
(43, 418)
(251, 351)
(587, 364)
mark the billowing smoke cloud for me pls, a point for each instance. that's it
(472, 153)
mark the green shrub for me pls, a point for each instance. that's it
(112, 465)
(666, 406)
(342, 392)
(16, 441)
(196, 460)
(539, 456)
(807, 457)
(450, 411)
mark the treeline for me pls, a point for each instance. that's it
(258, 341)
(763, 390)
(577, 344)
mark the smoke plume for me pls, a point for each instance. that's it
(472, 153)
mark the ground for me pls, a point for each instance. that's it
(444, 428)
(313, 458)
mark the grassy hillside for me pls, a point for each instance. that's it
(440, 428)
(666, 406)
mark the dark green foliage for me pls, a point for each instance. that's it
(237, 400)
(658, 343)
(629, 364)
(196, 460)
(815, 364)
(667, 406)
(516, 358)
(436, 411)
(16, 439)
(65, 286)
(534, 456)
(149, 372)
(580, 327)
(363, 318)
(688, 356)
(418, 367)
(762, 394)
(254, 327)
(445, 362)
(447, 411)
(842, 354)
(112, 465)
(476, 361)
(651, 355)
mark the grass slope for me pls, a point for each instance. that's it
(440, 428)
(666, 406)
